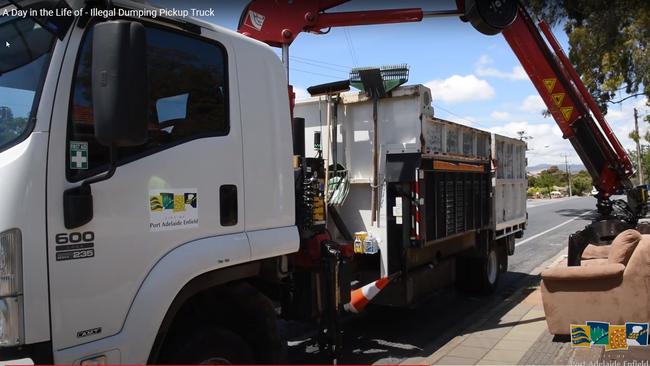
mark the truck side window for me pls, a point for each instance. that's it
(188, 98)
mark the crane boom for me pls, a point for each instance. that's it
(570, 104)
(567, 99)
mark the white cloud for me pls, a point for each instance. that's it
(545, 145)
(533, 104)
(625, 111)
(484, 68)
(500, 115)
(621, 119)
(300, 93)
(457, 88)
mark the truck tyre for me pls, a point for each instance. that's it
(256, 322)
(489, 271)
(210, 346)
(503, 259)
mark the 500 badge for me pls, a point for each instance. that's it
(75, 245)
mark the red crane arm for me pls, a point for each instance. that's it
(570, 104)
(278, 23)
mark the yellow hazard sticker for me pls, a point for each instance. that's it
(566, 112)
(558, 98)
(550, 84)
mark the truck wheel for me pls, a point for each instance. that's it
(210, 346)
(254, 318)
(490, 270)
(503, 259)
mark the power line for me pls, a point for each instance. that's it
(461, 117)
(348, 38)
(345, 67)
(315, 73)
(321, 66)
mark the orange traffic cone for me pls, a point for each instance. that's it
(362, 296)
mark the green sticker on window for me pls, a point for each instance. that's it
(78, 155)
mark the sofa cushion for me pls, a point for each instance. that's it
(593, 262)
(590, 273)
(623, 246)
(595, 252)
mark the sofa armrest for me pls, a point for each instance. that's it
(609, 270)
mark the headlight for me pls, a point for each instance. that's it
(11, 321)
(11, 289)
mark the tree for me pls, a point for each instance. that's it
(548, 179)
(645, 161)
(12, 128)
(581, 183)
(609, 43)
(553, 169)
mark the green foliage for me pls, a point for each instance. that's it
(645, 162)
(543, 183)
(609, 42)
(532, 191)
(11, 129)
(581, 183)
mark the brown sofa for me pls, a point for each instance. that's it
(614, 289)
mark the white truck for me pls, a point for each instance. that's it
(152, 211)
(450, 195)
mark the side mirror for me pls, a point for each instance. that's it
(119, 88)
(119, 83)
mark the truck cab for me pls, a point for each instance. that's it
(202, 201)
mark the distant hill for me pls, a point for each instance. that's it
(573, 168)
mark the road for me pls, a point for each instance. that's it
(387, 336)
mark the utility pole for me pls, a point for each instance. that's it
(638, 147)
(568, 175)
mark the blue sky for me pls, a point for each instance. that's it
(475, 79)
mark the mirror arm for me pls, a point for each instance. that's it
(109, 174)
(78, 201)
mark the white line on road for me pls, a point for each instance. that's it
(548, 202)
(551, 229)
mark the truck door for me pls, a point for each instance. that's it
(184, 184)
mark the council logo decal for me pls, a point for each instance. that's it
(172, 209)
(616, 338)
(580, 336)
(611, 336)
(599, 333)
(636, 334)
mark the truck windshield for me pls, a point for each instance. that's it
(25, 49)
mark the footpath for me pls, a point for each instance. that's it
(515, 333)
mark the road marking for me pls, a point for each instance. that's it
(549, 202)
(551, 229)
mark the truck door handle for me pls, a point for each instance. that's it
(228, 205)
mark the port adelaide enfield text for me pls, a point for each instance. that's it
(150, 13)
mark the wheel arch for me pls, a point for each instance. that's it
(195, 286)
